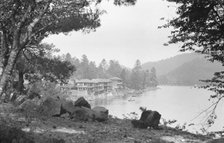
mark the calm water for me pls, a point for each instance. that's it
(182, 103)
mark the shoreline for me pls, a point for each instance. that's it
(114, 130)
(63, 130)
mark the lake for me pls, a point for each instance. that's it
(182, 103)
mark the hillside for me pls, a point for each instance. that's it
(185, 69)
(167, 65)
(191, 72)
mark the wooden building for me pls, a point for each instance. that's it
(96, 86)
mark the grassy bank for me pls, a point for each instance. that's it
(58, 129)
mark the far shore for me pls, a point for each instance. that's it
(119, 93)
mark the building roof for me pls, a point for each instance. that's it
(92, 81)
(99, 80)
(84, 81)
(115, 78)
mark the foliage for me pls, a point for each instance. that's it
(46, 89)
(153, 78)
(24, 24)
(114, 68)
(37, 65)
(181, 127)
(168, 122)
(141, 79)
(135, 78)
(199, 27)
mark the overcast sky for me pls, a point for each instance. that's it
(126, 34)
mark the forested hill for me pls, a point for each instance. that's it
(167, 65)
(184, 69)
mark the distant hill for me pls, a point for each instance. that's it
(165, 66)
(185, 69)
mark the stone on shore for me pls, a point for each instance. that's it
(67, 107)
(83, 114)
(101, 113)
(148, 118)
(51, 106)
(81, 102)
(139, 124)
(151, 118)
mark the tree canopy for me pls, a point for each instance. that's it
(25, 23)
(199, 26)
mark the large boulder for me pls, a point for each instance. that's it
(101, 113)
(67, 107)
(51, 107)
(148, 118)
(151, 118)
(81, 102)
(29, 105)
(139, 124)
(83, 114)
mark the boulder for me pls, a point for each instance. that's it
(83, 114)
(51, 107)
(139, 124)
(81, 102)
(29, 105)
(151, 118)
(148, 118)
(67, 107)
(101, 113)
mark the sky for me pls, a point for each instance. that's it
(126, 34)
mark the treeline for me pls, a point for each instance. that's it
(135, 78)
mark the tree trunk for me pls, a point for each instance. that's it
(20, 86)
(8, 70)
(6, 74)
(4, 54)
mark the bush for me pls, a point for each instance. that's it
(45, 89)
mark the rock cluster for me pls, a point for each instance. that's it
(56, 107)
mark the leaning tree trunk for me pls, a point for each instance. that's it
(7, 71)
(6, 74)
(4, 52)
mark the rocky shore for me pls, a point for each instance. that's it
(26, 125)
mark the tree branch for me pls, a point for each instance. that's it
(24, 18)
(218, 17)
(36, 20)
(29, 34)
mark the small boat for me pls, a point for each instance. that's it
(130, 100)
